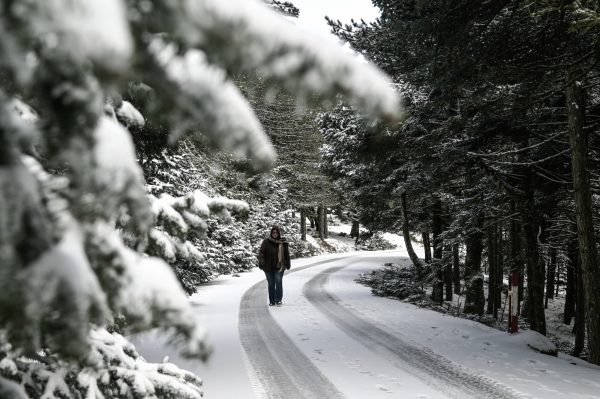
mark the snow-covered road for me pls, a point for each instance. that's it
(333, 339)
(282, 369)
(431, 368)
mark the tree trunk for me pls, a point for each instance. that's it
(474, 297)
(407, 242)
(448, 276)
(557, 278)
(535, 267)
(427, 246)
(580, 310)
(583, 211)
(550, 277)
(570, 296)
(499, 270)
(516, 259)
(325, 222)
(354, 231)
(456, 268)
(492, 272)
(303, 224)
(436, 226)
(321, 224)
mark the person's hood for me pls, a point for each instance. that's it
(275, 227)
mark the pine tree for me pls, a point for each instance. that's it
(72, 194)
(501, 82)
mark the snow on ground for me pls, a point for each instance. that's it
(500, 356)
(394, 239)
(356, 370)
(217, 304)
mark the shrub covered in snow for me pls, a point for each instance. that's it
(112, 369)
(393, 281)
(369, 241)
(227, 247)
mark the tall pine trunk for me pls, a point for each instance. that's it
(456, 268)
(426, 246)
(303, 224)
(516, 260)
(325, 222)
(570, 296)
(580, 310)
(499, 269)
(321, 223)
(407, 242)
(535, 267)
(474, 295)
(583, 210)
(354, 231)
(448, 275)
(492, 268)
(436, 228)
(550, 276)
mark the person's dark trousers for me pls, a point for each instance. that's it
(274, 279)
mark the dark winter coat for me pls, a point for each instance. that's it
(267, 256)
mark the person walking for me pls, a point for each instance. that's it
(274, 259)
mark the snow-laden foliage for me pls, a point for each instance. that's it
(181, 229)
(68, 209)
(115, 370)
(258, 40)
(284, 7)
(373, 242)
(393, 281)
(228, 247)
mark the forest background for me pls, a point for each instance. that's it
(492, 160)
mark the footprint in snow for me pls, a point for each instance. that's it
(383, 388)
(303, 337)
(396, 381)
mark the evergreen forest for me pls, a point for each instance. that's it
(147, 147)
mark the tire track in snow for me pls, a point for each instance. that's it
(434, 369)
(282, 370)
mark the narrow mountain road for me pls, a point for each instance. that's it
(433, 369)
(282, 370)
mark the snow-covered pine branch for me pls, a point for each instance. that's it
(284, 7)
(260, 40)
(175, 218)
(65, 270)
(210, 103)
(115, 370)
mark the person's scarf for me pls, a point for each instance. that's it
(280, 265)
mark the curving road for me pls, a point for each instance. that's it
(284, 371)
(435, 370)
